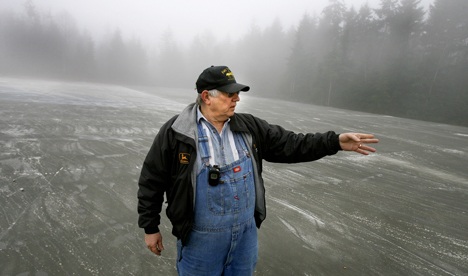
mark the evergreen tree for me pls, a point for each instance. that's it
(271, 58)
(446, 58)
(358, 43)
(170, 62)
(302, 63)
(329, 52)
(400, 31)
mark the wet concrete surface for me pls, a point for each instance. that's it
(71, 153)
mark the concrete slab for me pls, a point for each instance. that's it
(71, 153)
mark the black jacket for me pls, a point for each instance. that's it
(168, 167)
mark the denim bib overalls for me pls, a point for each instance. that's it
(223, 240)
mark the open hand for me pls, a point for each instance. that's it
(357, 142)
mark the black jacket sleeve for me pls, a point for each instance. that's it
(283, 146)
(154, 180)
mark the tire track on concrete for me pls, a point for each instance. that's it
(313, 218)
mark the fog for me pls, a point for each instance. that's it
(404, 58)
(85, 86)
(149, 19)
(71, 154)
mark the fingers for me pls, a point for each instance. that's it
(365, 150)
(370, 141)
(160, 246)
(362, 145)
(357, 142)
(156, 249)
(154, 243)
(358, 137)
(366, 138)
(364, 135)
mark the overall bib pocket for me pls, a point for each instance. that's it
(231, 196)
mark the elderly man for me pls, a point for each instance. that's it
(208, 162)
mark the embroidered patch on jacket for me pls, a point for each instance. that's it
(184, 158)
(237, 169)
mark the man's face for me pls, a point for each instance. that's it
(223, 106)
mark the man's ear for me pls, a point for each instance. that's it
(205, 96)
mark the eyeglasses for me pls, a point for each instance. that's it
(230, 95)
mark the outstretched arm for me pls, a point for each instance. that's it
(357, 142)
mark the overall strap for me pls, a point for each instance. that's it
(240, 145)
(203, 144)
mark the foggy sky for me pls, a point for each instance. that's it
(147, 20)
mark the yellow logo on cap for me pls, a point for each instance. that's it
(228, 74)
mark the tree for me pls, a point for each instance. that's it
(329, 48)
(359, 38)
(170, 62)
(302, 61)
(400, 31)
(446, 44)
(271, 57)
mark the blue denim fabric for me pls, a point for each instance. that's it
(223, 251)
(224, 236)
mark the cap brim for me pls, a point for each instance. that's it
(233, 88)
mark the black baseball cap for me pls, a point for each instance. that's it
(220, 78)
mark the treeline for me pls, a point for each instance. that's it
(397, 59)
(43, 45)
(394, 60)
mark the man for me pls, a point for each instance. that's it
(208, 162)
